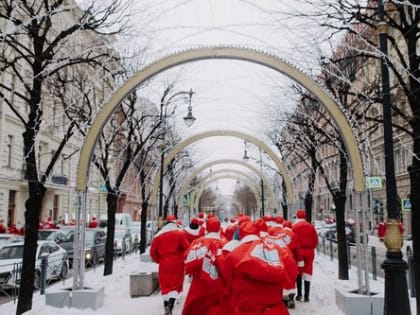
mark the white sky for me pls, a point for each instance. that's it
(118, 301)
(230, 94)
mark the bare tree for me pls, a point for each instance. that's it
(36, 44)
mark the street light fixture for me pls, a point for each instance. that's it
(245, 157)
(189, 121)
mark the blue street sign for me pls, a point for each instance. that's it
(374, 182)
(405, 204)
(102, 187)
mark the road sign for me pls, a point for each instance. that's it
(102, 187)
(374, 182)
(405, 204)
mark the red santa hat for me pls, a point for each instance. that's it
(171, 217)
(213, 225)
(93, 218)
(248, 228)
(211, 215)
(262, 226)
(301, 214)
(287, 224)
(201, 215)
(195, 221)
(243, 218)
(280, 220)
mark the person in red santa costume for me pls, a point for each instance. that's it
(167, 249)
(193, 231)
(257, 272)
(3, 228)
(206, 286)
(308, 240)
(93, 223)
(285, 237)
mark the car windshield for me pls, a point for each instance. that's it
(11, 252)
(119, 234)
(89, 236)
(48, 234)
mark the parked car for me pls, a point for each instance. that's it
(122, 242)
(95, 240)
(94, 247)
(11, 256)
(10, 238)
(330, 233)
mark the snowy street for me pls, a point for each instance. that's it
(118, 300)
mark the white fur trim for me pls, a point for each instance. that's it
(300, 220)
(287, 292)
(231, 245)
(171, 226)
(306, 277)
(249, 238)
(215, 235)
(191, 231)
(169, 295)
(301, 263)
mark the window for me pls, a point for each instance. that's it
(9, 150)
(397, 158)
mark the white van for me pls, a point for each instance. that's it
(122, 221)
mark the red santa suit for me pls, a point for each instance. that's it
(167, 249)
(2, 226)
(93, 223)
(206, 286)
(193, 231)
(308, 240)
(257, 272)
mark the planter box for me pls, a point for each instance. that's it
(143, 283)
(353, 303)
(84, 298)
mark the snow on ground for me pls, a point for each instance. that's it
(118, 300)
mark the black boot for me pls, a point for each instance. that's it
(307, 289)
(171, 304)
(291, 301)
(167, 308)
(299, 288)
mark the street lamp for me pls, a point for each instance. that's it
(396, 291)
(262, 186)
(245, 157)
(188, 120)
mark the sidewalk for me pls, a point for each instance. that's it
(118, 300)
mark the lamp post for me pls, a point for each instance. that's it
(188, 120)
(396, 291)
(262, 186)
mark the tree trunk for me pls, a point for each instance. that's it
(112, 200)
(343, 263)
(143, 235)
(308, 206)
(33, 210)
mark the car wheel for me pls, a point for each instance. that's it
(64, 271)
(37, 280)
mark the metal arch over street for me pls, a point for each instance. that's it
(253, 188)
(217, 162)
(224, 133)
(236, 172)
(221, 52)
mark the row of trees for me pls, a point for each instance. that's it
(58, 67)
(352, 75)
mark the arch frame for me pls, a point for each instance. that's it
(221, 52)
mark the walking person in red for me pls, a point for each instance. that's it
(205, 290)
(308, 241)
(257, 272)
(167, 249)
